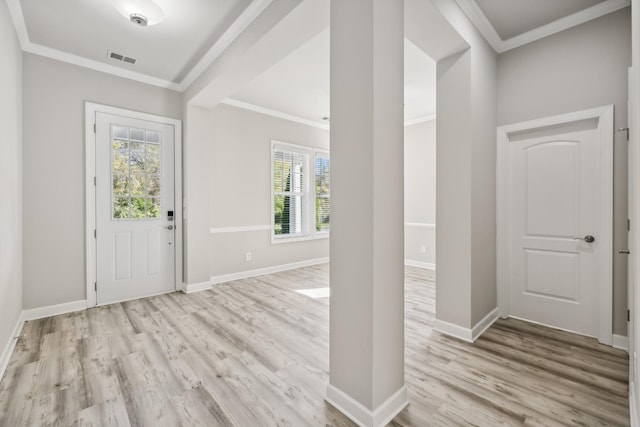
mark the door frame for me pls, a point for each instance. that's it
(91, 109)
(604, 115)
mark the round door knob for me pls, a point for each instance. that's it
(169, 227)
(589, 239)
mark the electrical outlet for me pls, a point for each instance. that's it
(423, 249)
(247, 256)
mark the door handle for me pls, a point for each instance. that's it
(624, 251)
(169, 227)
(588, 238)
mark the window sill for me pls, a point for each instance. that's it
(299, 238)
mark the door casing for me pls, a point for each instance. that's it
(90, 190)
(604, 115)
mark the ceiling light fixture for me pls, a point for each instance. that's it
(140, 12)
(138, 19)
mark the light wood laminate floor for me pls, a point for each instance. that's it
(255, 353)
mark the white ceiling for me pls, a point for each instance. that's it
(298, 85)
(84, 31)
(507, 24)
(92, 28)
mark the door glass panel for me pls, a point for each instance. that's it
(153, 207)
(153, 185)
(121, 207)
(152, 160)
(137, 134)
(135, 168)
(137, 183)
(120, 185)
(121, 132)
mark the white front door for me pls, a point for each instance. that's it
(555, 234)
(135, 228)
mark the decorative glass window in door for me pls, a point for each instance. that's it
(135, 173)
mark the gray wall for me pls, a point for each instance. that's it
(420, 192)
(580, 68)
(196, 188)
(228, 184)
(54, 202)
(466, 173)
(10, 178)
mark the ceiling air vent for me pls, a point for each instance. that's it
(122, 58)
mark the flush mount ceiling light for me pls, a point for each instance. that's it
(140, 12)
(139, 19)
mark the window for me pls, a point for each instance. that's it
(323, 200)
(135, 173)
(290, 190)
(300, 192)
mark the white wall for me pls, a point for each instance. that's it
(420, 193)
(10, 180)
(229, 173)
(54, 202)
(583, 67)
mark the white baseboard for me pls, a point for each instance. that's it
(467, 334)
(633, 406)
(453, 330)
(484, 324)
(420, 264)
(363, 416)
(266, 270)
(11, 344)
(196, 287)
(620, 341)
(54, 310)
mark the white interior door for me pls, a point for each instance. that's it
(135, 229)
(555, 229)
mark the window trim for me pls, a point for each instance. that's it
(309, 218)
(306, 234)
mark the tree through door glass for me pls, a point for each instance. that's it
(135, 173)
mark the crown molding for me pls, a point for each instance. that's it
(80, 61)
(279, 114)
(274, 113)
(233, 32)
(481, 22)
(15, 10)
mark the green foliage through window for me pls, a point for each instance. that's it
(135, 168)
(323, 200)
(289, 191)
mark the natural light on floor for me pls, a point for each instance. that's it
(315, 292)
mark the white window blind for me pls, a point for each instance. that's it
(290, 191)
(323, 198)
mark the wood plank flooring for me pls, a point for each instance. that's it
(255, 353)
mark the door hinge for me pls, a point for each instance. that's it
(95, 286)
(628, 225)
(94, 128)
(628, 315)
(95, 233)
(94, 181)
